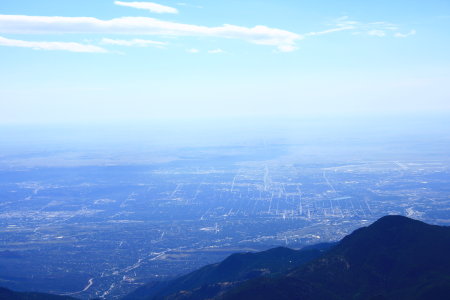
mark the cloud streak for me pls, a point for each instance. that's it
(262, 35)
(52, 46)
(376, 29)
(132, 43)
(404, 35)
(328, 31)
(150, 6)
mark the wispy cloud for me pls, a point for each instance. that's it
(150, 6)
(282, 40)
(377, 29)
(346, 24)
(383, 25)
(216, 51)
(54, 46)
(262, 35)
(193, 50)
(132, 43)
(376, 32)
(404, 35)
(328, 31)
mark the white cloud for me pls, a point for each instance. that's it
(56, 46)
(377, 32)
(404, 35)
(150, 6)
(332, 30)
(216, 51)
(132, 43)
(193, 50)
(261, 35)
(284, 41)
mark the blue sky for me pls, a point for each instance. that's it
(84, 61)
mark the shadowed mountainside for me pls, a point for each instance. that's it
(394, 258)
(214, 279)
(6, 294)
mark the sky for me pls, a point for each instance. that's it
(81, 61)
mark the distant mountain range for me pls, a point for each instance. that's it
(394, 258)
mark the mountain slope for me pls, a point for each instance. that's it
(213, 279)
(394, 258)
(6, 294)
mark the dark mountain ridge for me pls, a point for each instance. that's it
(235, 269)
(6, 294)
(394, 258)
